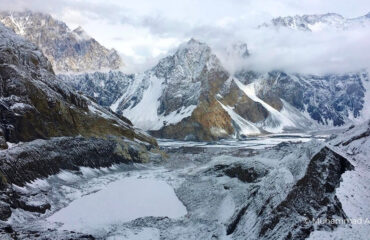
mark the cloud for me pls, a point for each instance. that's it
(143, 30)
(330, 51)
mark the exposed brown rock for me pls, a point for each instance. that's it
(243, 105)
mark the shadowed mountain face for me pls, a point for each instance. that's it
(68, 51)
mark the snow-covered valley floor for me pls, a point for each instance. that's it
(198, 192)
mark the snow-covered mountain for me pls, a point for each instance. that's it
(190, 95)
(67, 50)
(171, 93)
(317, 22)
(35, 104)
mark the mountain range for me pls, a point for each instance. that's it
(318, 22)
(190, 95)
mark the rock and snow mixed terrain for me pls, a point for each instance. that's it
(332, 99)
(67, 50)
(273, 191)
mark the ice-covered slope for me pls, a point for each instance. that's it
(67, 50)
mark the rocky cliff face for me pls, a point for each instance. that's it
(68, 51)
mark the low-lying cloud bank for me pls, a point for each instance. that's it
(329, 51)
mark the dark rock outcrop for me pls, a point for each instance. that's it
(3, 144)
(312, 197)
(245, 173)
(293, 213)
(41, 158)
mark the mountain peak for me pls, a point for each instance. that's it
(81, 34)
(79, 29)
(193, 40)
(194, 51)
(331, 15)
(191, 56)
(192, 44)
(240, 49)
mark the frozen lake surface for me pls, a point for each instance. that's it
(120, 201)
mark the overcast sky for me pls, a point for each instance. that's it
(144, 30)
